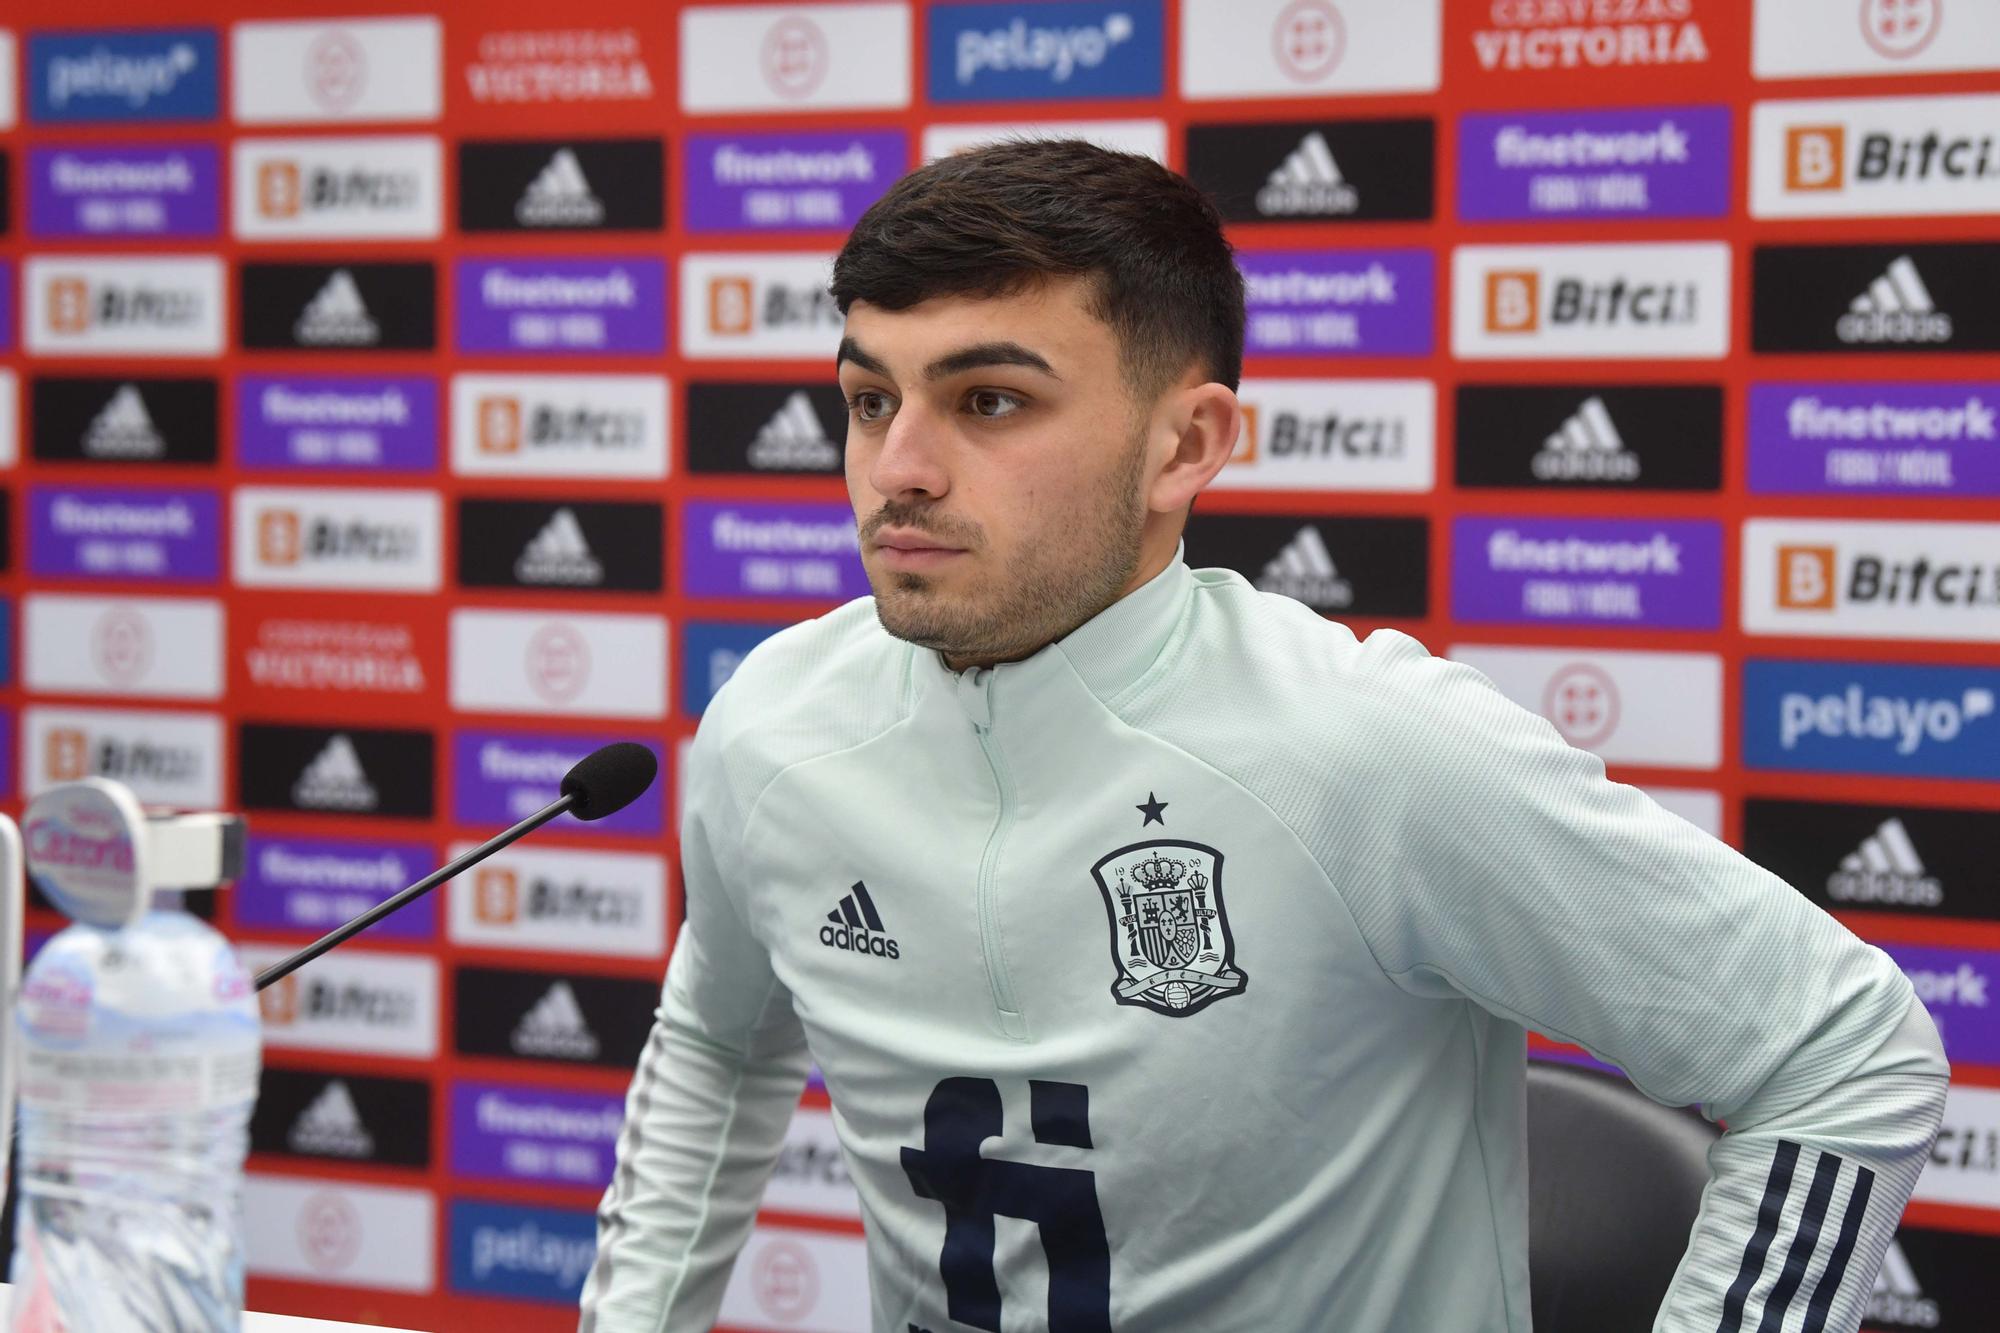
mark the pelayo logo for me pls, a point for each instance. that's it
(138, 75)
(526, 1253)
(1033, 52)
(1871, 717)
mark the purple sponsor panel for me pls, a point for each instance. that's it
(502, 777)
(1339, 302)
(1610, 572)
(612, 305)
(164, 189)
(514, 1131)
(1655, 162)
(315, 884)
(1902, 438)
(173, 536)
(6, 306)
(787, 551)
(788, 182)
(1958, 987)
(388, 425)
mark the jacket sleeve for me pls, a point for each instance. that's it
(714, 1091)
(1511, 872)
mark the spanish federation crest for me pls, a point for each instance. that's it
(1169, 935)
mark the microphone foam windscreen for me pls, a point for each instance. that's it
(609, 779)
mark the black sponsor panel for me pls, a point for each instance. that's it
(1315, 170)
(1875, 298)
(562, 185)
(1339, 566)
(1879, 858)
(567, 1017)
(1650, 437)
(338, 307)
(759, 428)
(351, 771)
(614, 546)
(1934, 1281)
(344, 1117)
(107, 420)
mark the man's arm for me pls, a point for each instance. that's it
(1514, 874)
(715, 1088)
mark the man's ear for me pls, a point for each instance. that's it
(1197, 433)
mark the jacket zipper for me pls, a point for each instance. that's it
(986, 894)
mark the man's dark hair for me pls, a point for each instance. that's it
(996, 220)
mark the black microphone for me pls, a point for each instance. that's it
(603, 782)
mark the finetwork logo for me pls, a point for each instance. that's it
(1587, 448)
(1065, 50)
(856, 926)
(560, 196)
(1308, 183)
(555, 1028)
(1304, 570)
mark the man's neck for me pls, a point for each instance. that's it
(1152, 559)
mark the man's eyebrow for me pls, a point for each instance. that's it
(953, 363)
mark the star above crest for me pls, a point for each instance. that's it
(1151, 809)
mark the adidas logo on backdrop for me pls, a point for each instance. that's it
(1304, 570)
(1308, 183)
(337, 316)
(793, 438)
(555, 1028)
(1586, 448)
(857, 927)
(560, 196)
(123, 429)
(1898, 1298)
(1896, 308)
(559, 554)
(335, 780)
(1885, 868)
(332, 1126)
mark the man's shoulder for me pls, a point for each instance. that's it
(812, 688)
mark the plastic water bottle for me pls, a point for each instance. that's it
(139, 1054)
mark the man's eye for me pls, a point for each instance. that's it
(992, 403)
(868, 405)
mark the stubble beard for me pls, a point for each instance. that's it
(1047, 594)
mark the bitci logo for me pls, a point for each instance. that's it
(1806, 577)
(731, 306)
(278, 1003)
(69, 305)
(496, 895)
(278, 192)
(1815, 157)
(499, 425)
(66, 754)
(1513, 301)
(278, 537)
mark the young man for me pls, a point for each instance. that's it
(1168, 952)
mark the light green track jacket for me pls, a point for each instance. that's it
(1177, 978)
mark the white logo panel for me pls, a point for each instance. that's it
(1659, 709)
(350, 1000)
(1309, 48)
(337, 1232)
(7, 80)
(1334, 435)
(793, 1279)
(758, 306)
(1803, 39)
(1965, 1162)
(292, 73)
(388, 187)
(1533, 301)
(322, 537)
(1874, 157)
(794, 57)
(1145, 137)
(165, 758)
(1703, 809)
(10, 399)
(1852, 578)
(611, 904)
(583, 665)
(104, 306)
(608, 426)
(156, 646)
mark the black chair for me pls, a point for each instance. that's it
(1614, 1184)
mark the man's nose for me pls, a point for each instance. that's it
(910, 462)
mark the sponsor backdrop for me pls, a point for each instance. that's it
(396, 404)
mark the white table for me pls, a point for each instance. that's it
(270, 1323)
